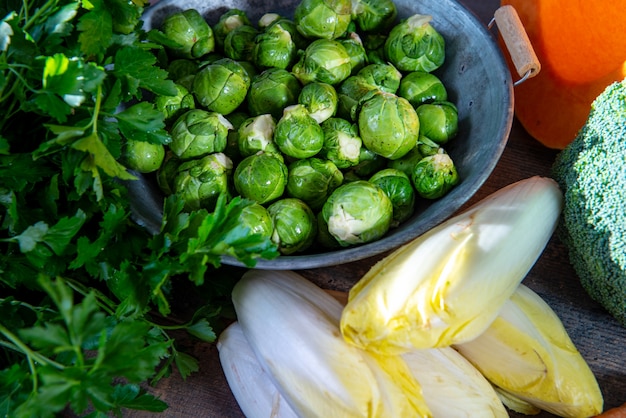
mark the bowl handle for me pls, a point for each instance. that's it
(517, 42)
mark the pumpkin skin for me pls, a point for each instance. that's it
(581, 46)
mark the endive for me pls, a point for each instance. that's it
(292, 327)
(527, 353)
(447, 286)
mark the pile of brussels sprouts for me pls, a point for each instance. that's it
(332, 121)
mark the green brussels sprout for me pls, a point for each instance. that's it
(267, 19)
(257, 134)
(354, 47)
(256, 217)
(426, 146)
(199, 182)
(374, 44)
(174, 106)
(369, 163)
(232, 141)
(261, 177)
(312, 180)
(388, 125)
(221, 86)
(142, 156)
(419, 87)
(407, 163)
(167, 173)
(342, 144)
(439, 121)
(228, 21)
(323, 60)
(327, 19)
(433, 176)
(350, 96)
(274, 47)
(198, 132)
(181, 68)
(190, 32)
(239, 42)
(373, 15)
(399, 189)
(295, 226)
(385, 77)
(324, 239)
(357, 212)
(414, 45)
(297, 134)
(320, 99)
(271, 91)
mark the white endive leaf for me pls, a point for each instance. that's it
(452, 386)
(293, 328)
(527, 353)
(447, 286)
(251, 385)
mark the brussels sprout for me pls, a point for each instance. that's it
(355, 49)
(350, 95)
(261, 177)
(295, 225)
(257, 134)
(221, 86)
(388, 125)
(199, 182)
(312, 180)
(228, 21)
(167, 172)
(373, 15)
(414, 45)
(198, 132)
(181, 68)
(323, 60)
(324, 239)
(342, 144)
(274, 47)
(257, 218)
(320, 99)
(297, 134)
(399, 189)
(426, 146)
(369, 163)
(439, 121)
(434, 175)
(142, 156)
(271, 91)
(173, 107)
(239, 42)
(357, 212)
(374, 44)
(385, 77)
(407, 163)
(267, 19)
(419, 87)
(327, 19)
(232, 141)
(190, 32)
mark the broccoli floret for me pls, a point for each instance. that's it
(591, 171)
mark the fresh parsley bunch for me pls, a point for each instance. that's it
(84, 290)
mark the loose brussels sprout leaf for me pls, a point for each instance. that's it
(173, 107)
(297, 134)
(323, 60)
(198, 132)
(295, 226)
(261, 177)
(239, 42)
(142, 156)
(271, 91)
(275, 47)
(439, 121)
(221, 86)
(357, 212)
(419, 87)
(227, 22)
(354, 46)
(414, 45)
(373, 15)
(327, 19)
(199, 182)
(388, 125)
(257, 218)
(312, 180)
(385, 77)
(192, 34)
(257, 134)
(320, 99)
(434, 175)
(342, 143)
(398, 187)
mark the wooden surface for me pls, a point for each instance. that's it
(598, 337)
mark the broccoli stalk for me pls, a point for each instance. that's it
(591, 171)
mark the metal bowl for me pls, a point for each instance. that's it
(478, 82)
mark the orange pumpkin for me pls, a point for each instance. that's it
(581, 45)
